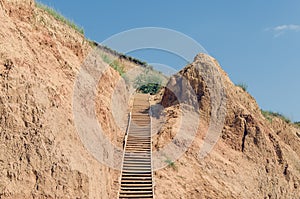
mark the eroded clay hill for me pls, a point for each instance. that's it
(41, 155)
(253, 158)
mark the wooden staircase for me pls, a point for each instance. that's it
(136, 177)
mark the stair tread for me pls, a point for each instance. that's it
(136, 175)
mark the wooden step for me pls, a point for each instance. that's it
(149, 182)
(136, 172)
(136, 196)
(136, 188)
(136, 175)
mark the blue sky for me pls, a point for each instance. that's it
(256, 42)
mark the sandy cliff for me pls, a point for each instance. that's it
(253, 158)
(41, 155)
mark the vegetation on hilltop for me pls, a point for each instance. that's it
(269, 115)
(297, 124)
(242, 86)
(59, 17)
(120, 55)
(115, 64)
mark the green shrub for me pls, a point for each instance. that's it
(148, 81)
(269, 115)
(59, 17)
(243, 86)
(171, 164)
(297, 124)
(151, 88)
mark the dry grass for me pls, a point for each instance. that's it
(59, 17)
(269, 115)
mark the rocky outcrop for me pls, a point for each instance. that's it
(253, 158)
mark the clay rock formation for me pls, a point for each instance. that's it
(253, 157)
(41, 155)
